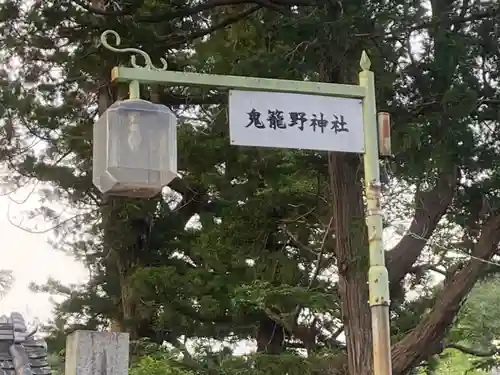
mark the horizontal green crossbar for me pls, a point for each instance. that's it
(122, 74)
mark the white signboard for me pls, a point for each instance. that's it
(286, 120)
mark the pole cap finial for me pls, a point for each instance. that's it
(365, 62)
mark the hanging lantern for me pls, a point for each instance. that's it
(135, 149)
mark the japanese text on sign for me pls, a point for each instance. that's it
(287, 120)
(276, 120)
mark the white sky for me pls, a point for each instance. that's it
(31, 258)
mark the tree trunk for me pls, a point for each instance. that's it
(351, 249)
(270, 336)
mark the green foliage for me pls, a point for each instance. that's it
(152, 366)
(478, 327)
(453, 363)
(56, 364)
(479, 319)
(264, 294)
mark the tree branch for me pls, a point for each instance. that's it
(431, 206)
(298, 243)
(175, 99)
(471, 351)
(221, 25)
(417, 270)
(457, 20)
(118, 13)
(453, 20)
(317, 268)
(171, 15)
(194, 199)
(302, 332)
(190, 11)
(425, 339)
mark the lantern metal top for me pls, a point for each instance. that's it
(138, 105)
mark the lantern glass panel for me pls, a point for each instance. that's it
(139, 155)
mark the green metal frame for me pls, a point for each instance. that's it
(122, 74)
(148, 73)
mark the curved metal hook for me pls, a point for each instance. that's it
(148, 64)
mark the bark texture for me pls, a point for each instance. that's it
(351, 247)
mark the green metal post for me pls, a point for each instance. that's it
(134, 91)
(378, 277)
